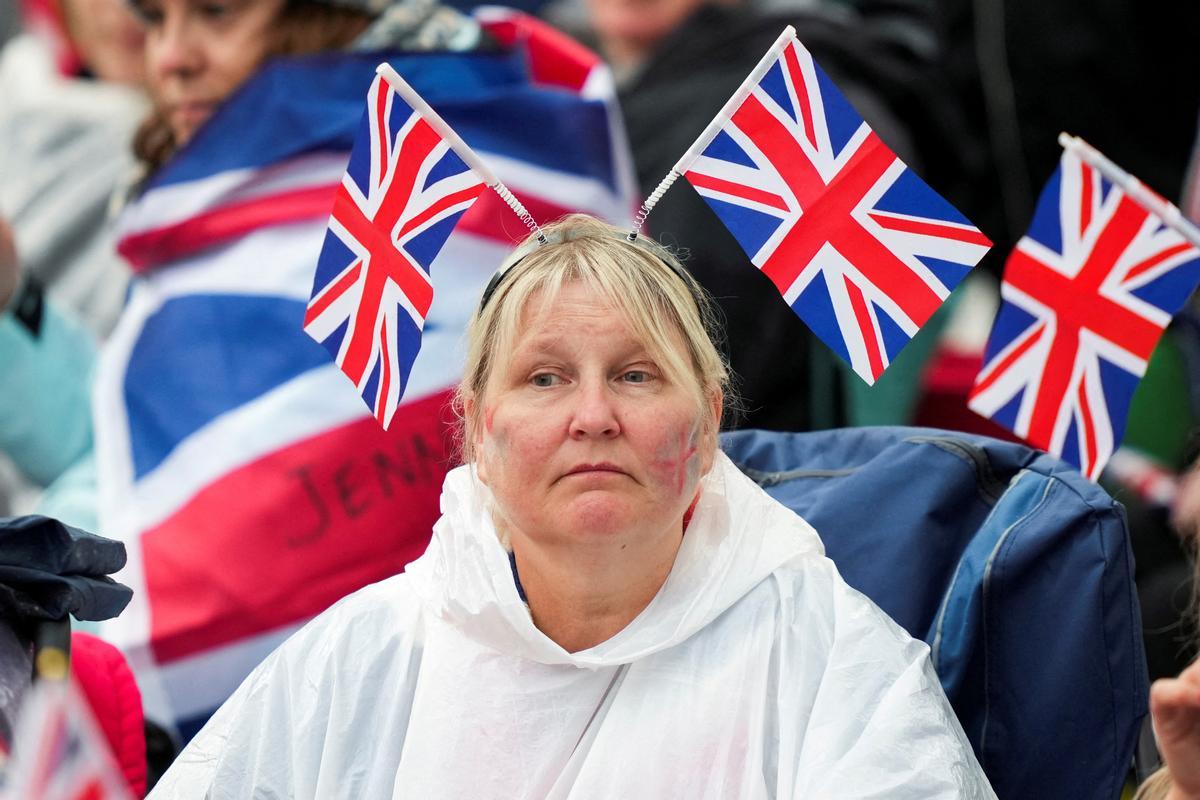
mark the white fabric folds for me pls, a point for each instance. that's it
(756, 672)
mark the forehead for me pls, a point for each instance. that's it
(575, 313)
(577, 322)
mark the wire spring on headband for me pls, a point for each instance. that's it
(519, 209)
(650, 202)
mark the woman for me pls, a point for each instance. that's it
(72, 85)
(608, 607)
(200, 52)
(197, 55)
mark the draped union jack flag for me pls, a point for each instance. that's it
(858, 245)
(1086, 295)
(403, 192)
(285, 442)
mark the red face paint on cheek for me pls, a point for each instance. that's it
(689, 460)
(488, 416)
(680, 463)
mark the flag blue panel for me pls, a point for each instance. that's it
(723, 147)
(1171, 290)
(166, 404)
(909, 194)
(449, 166)
(816, 309)
(1119, 386)
(841, 119)
(1045, 228)
(775, 85)
(894, 337)
(750, 227)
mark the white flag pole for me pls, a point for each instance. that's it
(401, 86)
(736, 100)
(1167, 211)
(710, 132)
(418, 103)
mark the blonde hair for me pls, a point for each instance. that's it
(1156, 787)
(645, 284)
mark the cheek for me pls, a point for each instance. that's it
(495, 449)
(678, 458)
(235, 68)
(514, 444)
(152, 60)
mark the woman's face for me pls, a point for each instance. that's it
(199, 51)
(583, 438)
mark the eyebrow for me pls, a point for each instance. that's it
(546, 347)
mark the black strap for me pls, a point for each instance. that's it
(512, 562)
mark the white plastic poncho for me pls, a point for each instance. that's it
(755, 672)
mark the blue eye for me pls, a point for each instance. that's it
(544, 379)
(637, 376)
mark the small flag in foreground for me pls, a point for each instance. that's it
(1087, 293)
(59, 752)
(859, 246)
(405, 188)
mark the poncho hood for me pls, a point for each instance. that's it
(736, 538)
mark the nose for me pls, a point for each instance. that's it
(594, 413)
(172, 48)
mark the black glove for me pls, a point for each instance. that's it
(48, 569)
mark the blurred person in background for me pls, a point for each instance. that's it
(212, 335)
(71, 84)
(195, 56)
(72, 88)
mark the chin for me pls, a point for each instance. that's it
(182, 135)
(605, 518)
(600, 517)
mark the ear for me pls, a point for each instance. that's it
(476, 434)
(712, 426)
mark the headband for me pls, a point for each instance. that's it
(648, 246)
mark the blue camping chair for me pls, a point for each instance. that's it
(1012, 567)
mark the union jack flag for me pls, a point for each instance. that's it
(59, 752)
(404, 191)
(1086, 295)
(858, 245)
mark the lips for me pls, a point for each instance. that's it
(586, 469)
(192, 114)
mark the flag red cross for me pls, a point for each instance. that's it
(380, 234)
(805, 191)
(1078, 304)
(828, 212)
